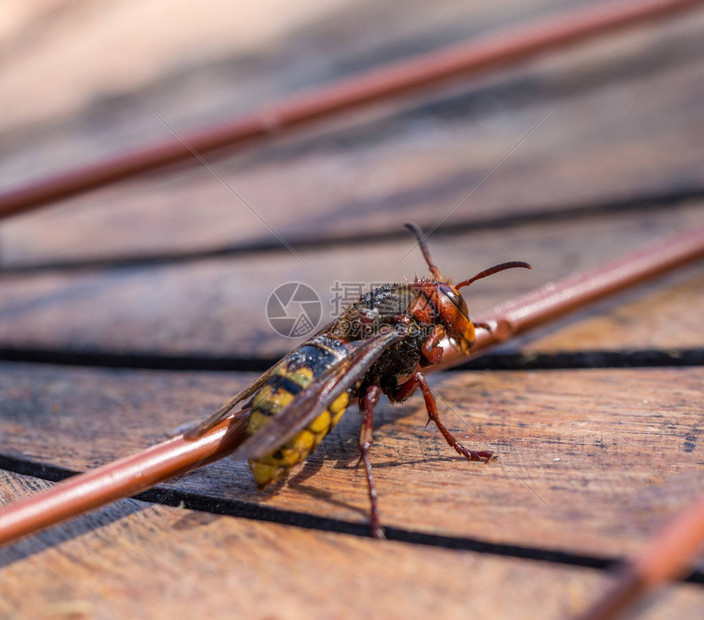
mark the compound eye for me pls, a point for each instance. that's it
(456, 298)
(463, 306)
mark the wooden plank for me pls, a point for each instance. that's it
(218, 72)
(664, 315)
(591, 462)
(135, 559)
(220, 76)
(217, 307)
(642, 137)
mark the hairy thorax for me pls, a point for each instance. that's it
(386, 308)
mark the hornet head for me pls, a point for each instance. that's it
(442, 303)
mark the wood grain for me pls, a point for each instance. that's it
(664, 315)
(594, 461)
(196, 67)
(153, 561)
(641, 95)
(217, 307)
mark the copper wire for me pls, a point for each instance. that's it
(116, 480)
(669, 555)
(139, 472)
(665, 558)
(490, 52)
(557, 299)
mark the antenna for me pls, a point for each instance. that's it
(415, 229)
(493, 270)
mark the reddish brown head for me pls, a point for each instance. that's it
(441, 301)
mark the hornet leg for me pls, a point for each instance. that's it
(366, 406)
(418, 380)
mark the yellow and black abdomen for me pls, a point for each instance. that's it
(293, 374)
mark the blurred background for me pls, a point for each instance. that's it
(611, 122)
(566, 160)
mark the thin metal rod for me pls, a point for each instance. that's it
(490, 52)
(164, 461)
(667, 556)
(116, 480)
(557, 299)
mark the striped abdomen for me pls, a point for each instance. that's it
(290, 376)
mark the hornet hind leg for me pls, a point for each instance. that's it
(366, 406)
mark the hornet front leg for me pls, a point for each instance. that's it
(407, 388)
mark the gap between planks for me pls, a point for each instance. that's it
(607, 495)
(326, 241)
(245, 510)
(137, 559)
(565, 360)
